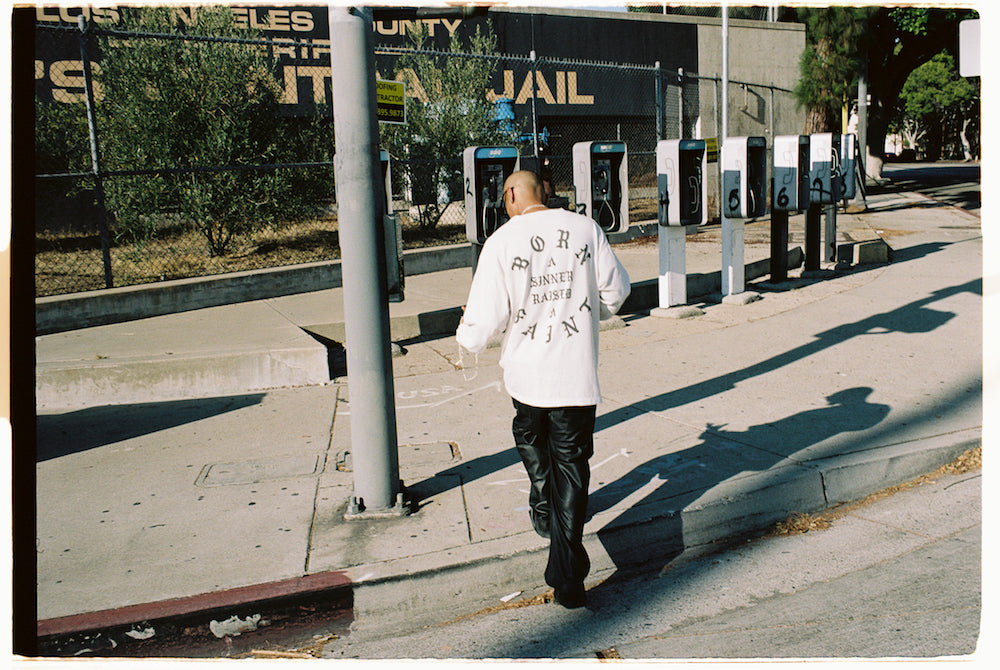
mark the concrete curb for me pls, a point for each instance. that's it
(395, 597)
(159, 379)
(327, 585)
(55, 314)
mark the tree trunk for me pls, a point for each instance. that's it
(964, 136)
(821, 120)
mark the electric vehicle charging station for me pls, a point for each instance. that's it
(486, 169)
(831, 179)
(846, 186)
(392, 234)
(791, 173)
(682, 206)
(600, 179)
(744, 196)
(823, 163)
(789, 193)
(823, 159)
(744, 166)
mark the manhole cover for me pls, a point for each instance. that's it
(266, 469)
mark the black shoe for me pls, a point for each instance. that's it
(540, 523)
(571, 597)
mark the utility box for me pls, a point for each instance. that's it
(680, 187)
(392, 233)
(744, 170)
(485, 171)
(790, 186)
(600, 178)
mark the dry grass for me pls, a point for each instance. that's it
(72, 262)
(969, 461)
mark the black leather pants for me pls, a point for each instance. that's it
(555, 445)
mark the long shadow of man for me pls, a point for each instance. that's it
(684, 486)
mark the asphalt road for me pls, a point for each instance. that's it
(898, 577)
(957, 184)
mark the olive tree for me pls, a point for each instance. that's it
(446, 111)
(182, 107)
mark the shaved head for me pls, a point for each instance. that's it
(528, 180)
(523, 189)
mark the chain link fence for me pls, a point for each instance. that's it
(206, 168)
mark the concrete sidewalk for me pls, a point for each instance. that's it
(211, 351)
(829, 388)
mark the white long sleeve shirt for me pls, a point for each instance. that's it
(546, 278)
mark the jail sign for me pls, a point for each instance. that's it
(390, 101)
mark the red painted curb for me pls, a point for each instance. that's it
(205, 602)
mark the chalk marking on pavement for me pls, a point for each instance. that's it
(505, 482)
(622, 452)
(496, 385)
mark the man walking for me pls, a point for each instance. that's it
(546, 278)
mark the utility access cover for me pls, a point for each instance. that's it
(265, 469)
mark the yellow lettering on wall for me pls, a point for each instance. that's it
(382, 28)
(186, 17)
(302, 21)
(319, 48)
(508, 88)
(69, 14)
(106, 14)
(279, 20)
(290, 90)
(574, 97)
(413, 85)
(255, 22)
(67, 74)
(541, 90)
(318, 75)
(402, 26)
(240, 17)
(47, 14)
(67, 81)
(284, 51)
(560, 87)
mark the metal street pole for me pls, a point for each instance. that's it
(732, 241)
(374, 450)
(95, 152)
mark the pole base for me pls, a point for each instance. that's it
(356, 510)
(743, 298)
(676, 312)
